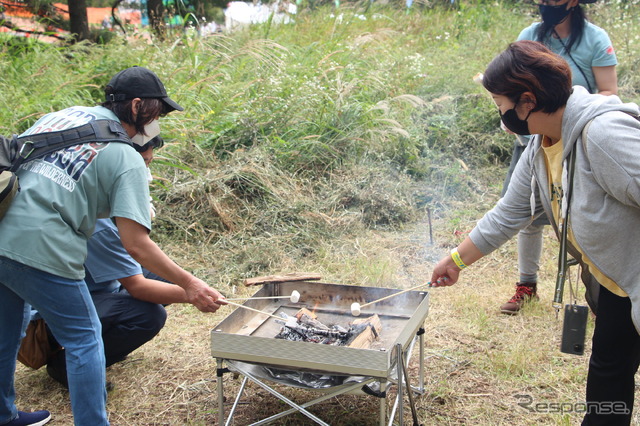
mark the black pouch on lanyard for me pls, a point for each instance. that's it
(574, 329)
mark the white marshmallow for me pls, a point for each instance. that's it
(355, 309)
(295, 296)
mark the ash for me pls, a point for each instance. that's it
(307, 329)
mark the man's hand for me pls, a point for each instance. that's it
(203, 297)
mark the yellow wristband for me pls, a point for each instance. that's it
(457, 259)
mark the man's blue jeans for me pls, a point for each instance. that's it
(67, 308)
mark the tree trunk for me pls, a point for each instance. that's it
(155, 11)
(78, 20)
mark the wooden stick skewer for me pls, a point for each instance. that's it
(252, 309)
(294, 297)
(259, 298)
(394, 294)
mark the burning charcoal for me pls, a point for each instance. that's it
(291, 322)
(312, 322)
(311, 330)
(308, 329)
(358, 328)
(340, 328)
(288, 333)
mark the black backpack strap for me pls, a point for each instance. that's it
(8, 150)
(39, 145)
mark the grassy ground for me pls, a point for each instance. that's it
(480, 364)
(319, 147)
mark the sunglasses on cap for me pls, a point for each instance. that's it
(154, 143)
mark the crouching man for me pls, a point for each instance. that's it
(129, 299)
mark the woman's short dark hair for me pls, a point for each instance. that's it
(148, 110)
(529, 66)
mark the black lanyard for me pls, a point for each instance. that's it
(564, 46)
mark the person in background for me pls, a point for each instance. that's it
(42, 259)
(588, 51)
(129, 299)
(531, 86)
(106, 22)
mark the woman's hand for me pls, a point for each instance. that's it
(447, 270)
(445, 273)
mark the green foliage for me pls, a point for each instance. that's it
(100, 35)
(622, 22)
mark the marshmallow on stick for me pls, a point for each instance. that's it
(294, 298)
(356, 308)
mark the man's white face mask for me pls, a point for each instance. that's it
(151, 206)
(152, 130)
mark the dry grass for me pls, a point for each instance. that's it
(477, 360)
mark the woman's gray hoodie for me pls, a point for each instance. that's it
(605, 205)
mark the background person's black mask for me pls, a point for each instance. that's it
(553, 15)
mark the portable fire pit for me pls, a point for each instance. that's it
(257, 346)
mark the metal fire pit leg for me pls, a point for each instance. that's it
(220, 393)
(407, 358)
(236, 402)
(392, 414)
(402, 382)
(301, 407)
(220, 383)
(382, 416)
(284, 399)
(315, 401)
(421, 354)
(412, 403)
(400, 373)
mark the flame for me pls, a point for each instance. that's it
(313, 311)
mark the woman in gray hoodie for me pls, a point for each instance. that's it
(531, 86)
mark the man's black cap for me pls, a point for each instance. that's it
(139, 82)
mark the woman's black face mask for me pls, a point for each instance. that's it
(512, 122)
(553, 15)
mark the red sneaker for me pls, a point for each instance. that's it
(524, 293)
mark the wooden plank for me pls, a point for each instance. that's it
(369, 335)
(293, 276)
(305, 311)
